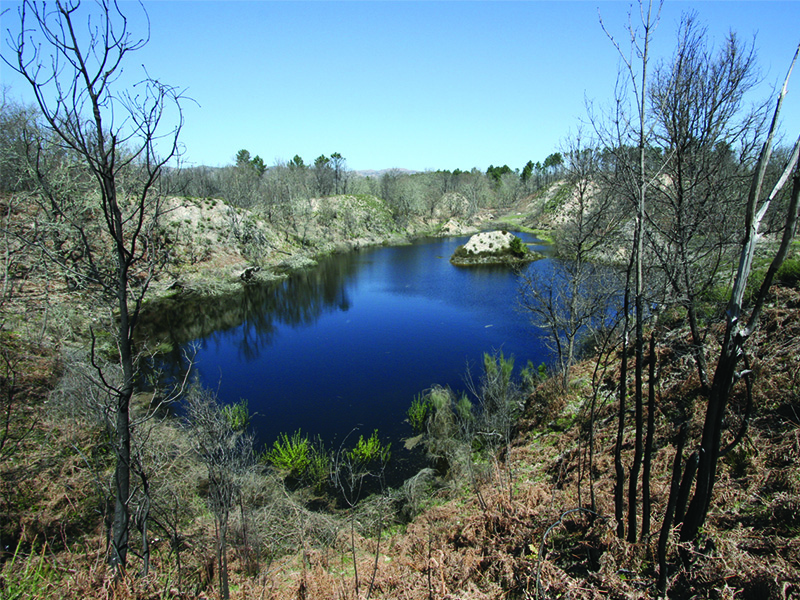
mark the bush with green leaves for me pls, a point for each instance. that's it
(518, 247)
(370, 450)
(318, 471)
(789, 272)
(419, 411)
(457, 430)
(501, 398)
(291, 456)
(237, 415)
(449, 426)
(533, 375)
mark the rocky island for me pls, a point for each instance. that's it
(493, 247)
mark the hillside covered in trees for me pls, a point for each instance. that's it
(658, 457)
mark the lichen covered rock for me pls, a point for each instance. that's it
(493, 247)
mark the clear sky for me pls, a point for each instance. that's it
(416, 85)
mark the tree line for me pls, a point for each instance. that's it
(281, 188)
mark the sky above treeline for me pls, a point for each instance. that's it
(414, 85)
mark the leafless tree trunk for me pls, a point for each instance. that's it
(648, 441)
(739, 326)
(114, 136)
(636, 73)
(619, 467)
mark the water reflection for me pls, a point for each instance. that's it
(249, 318)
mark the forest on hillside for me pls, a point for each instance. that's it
(660, 457)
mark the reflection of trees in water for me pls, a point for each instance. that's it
(249, 319)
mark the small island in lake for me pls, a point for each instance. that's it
(493, 247)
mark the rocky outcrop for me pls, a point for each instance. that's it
(493, 247)
(455, 227)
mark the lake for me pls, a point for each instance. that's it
(349, 343)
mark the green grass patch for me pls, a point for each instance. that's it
(27, 582)
(558, 199)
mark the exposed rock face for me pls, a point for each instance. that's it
(455, 227)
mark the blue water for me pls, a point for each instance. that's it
(349, 343)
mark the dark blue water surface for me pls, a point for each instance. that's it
(350, 342)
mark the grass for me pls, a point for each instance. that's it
(28, 580)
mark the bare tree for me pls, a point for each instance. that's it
(628, 138)
(577, 294)
(739, 324)
(351, 468)
(166, 486)
(223, 444)
(707, 138)
(114, 135)
(394, 193)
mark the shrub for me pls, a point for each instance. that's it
(497, 388)
(533, 375)
(789, 272)
(318, 470)
(518, 247)
(237, 415)
(370, 450)
(290, 455)
(418, 412)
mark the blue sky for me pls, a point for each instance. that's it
(416, 85)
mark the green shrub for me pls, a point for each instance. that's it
(419, 411)
(370, 450)
(237, 415)
(789, 272)
(463, 409)
(518, 247)
(717, 294)
(290, 455)
(318, 470)
(738, 461)
(533, 375)
(754, 281)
